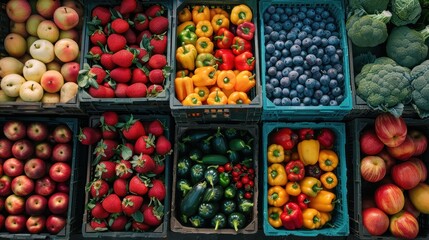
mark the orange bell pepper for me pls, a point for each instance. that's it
(238, 98)
(245, 81)
(205, 76)
(203, 92)
(328, 160)
(204, 29)
(192, 100)
(218, 10)
(200, 13)
(219, 21)
(329, 180)
(217, 98)
(185, 15)
(204, 45)
(183, 86)
(226, 79)
(241, 13)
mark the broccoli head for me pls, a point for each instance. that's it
(369, 30)
(370, 6)
(405, 12)
(420, 83)
(384, 84)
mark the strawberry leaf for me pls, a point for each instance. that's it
(93, 25)
(166, 71)
(115, 14)
(90, 205)
(92, 82)
(138, 216)
(128, 226)
(145, 44)
(145, 70)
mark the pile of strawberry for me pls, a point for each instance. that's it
(127, 51)
(126, 189)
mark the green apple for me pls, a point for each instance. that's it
(5, 98)
(51, 98)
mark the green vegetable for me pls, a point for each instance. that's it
(245, 206)
(195, 154)
(208, 210)
(230, 133)
(405, 12)
(214, 194)
(236, 220)
(237, 144)
(205, 145)
(224, 179)
(197, 221)
(370, 6)
(190, 203)
(240, 195)
(248, 150)
(216, 159)
(212, 176)
(370, 30)
(219, 143)
(184, 186)
(233, 156)
(420, 83)
(181, 148)
(218, 221)
(196, 136)
(183, 167)
(424, 3)
(228, 207)
(197, 173)
(230, 192)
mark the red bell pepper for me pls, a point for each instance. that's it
(245, 61)
(306, 133)
(326, 138)
(285, 137)
(295, 170)
(224, 38)
(291, 216)
(302, 200)
(246, 30)
(240, 45)
(225, 59)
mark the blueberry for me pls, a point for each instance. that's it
(317, 18)
(335, 59)
(294, 18)
(302, 79)
(269, 88)
(302, 35)
(317, 40)
(339, 99)
(322, 25)
(277, 92)
(298, 60)
(301, 15)
(299, 69)
(311, 13)
(288, 62)
(318, 94)
(315, 69)
(330, 20)
(267, 39)
(315, 25)
(293, 93)
(268, 64)
(269, 95)
(325, 100)
(339, 52)
(266, 16)
(283, 18)
(319, 62)
(319, 10)
(277, 26)
(317, 85)
(310, 83)
(273, 60)
(293, 75)
(324, 42)
(320, 33)
(296, 101)
(310, 59)
(274, 36)
(317, 75)
(337, 91)
(325, 14)
(288, 11)
(287, 25)
(338, 67)
(285, 52)
(277, 54)
(333, 83)
(277, 101)
(330, 50)
(306, 42)
(285, 92)
(275, 17)
(288, 44)
(282, 37)
(303, 53)
(307, 101)
(271, 9)
(268, 29)
(280, 65)
(279, 75)
(272, 71)
(333, 40)
(325, 89)
(326, 59)
(275, 82)
(307, 22)
(285, 82)
(285, 72)
(340, 78)
(308, 92)
(324, 80)
(269, 48)
(332, 73)
(297, 42)
(300, 88)
(314, 102)
(327, 33)
(312, 49)
(295, 10)
(295, 50)
(286, 101)
(291, 36)
(279, 45)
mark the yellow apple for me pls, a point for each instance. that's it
(9, 65)
(5, 98)
(32, 23)
(66, 50)
(54, 65)
(11, 83)
(68, 92)
(66, 18)
(18, 28)
(15, 45)
(18, 10)
(70, 71)
(42, 50)
(52, 81)
(51, 98)
(46, 8)
(33, 70)
(48, 30)
(72, 34)
(31, 91)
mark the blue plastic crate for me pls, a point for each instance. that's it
(340, 216)
(360, 187)
(310, 113)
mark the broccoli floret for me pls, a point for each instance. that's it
(420, 83)
(370, 30)
(407, 46)
(370, 6)
(405, 12)
(384, 84)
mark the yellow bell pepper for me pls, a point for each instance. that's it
(324, 201)
(245, 81)
(274, 216)
(217, 98)
(238, 98)
(308, 151)
(293, 188)
(205, 76)
(214, 89)
(311, 218)
(185, 15)
(328, 160)
(325, 217)
(240, 14)
(226, 79)
(277, 196)
(192, 100)
(183, 86)
(204, 29)
(204, 45)
(200, 13)
(329, 180)
(218, 10)
(219, 21)
(185, 56)
(182, 26)
(228, 94)
(277, 175)
(275, 153)
(203, 92)
(310, 186)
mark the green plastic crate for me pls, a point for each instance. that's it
(340, 216)
(309, 113)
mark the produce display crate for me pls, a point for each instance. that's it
(175, 225)
(161, 230)
(210, 113)
(75, 182)
(158, 104)
(358, 187)
(340, 216)
(4, 22)
(310, 113)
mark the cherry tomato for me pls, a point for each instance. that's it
(245, 179)
(247, 187)
(236, 179)
(238, 165)
(228, 167)
(244, 168)
(221, 169)
(235, 174)
(251, 183)
(251, 171)
(248, 195)
(238, 185)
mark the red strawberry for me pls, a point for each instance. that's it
(156, 128)
(157, 190)
(105, 149)
(131, 37)
(120, 91)
(127, 6)
(158, 25)
(154, 11)
(119, 25)
(132, 129)
(94, 53)
(123, 169)
(101, 92)
(144, 34)
(109, 132)
(157, 61)
(116, 42)
(139, 185)
(130, 146)
(159, 43)
(143, 55)
(105, 170)
(102, 13)
(98, 37)
(109, 118)
(154, 89)
(120, 187)
(138, 76)
(159, 164)
(117, 222)
(143, 163)
(163, 146)
(157, 76)
(98, 224)
(141, 22)
(153, 215)
(97, 73)
(136, 90)
(89, 135)
(123, 58)
(106, 61)
(121, 74)
(98, 188)
(139, 226)
(145, 144)
(112, 203)
(98, 211)
(131, 204)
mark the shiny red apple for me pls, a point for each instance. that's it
(391, 130)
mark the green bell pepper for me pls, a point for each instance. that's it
(230, 192)
(186, 36)
(205, 59)
(218, 221)
(224, 179)
(208, 210)
(230, 133)
(237, 144)
(195, 154)
(236, 220)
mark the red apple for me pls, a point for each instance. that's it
(63, 187)
(409, 207)
(35, 168)
(420, 141)
(388, 160)
(391, 130)
(60, 172)
(406, 175)
(44, 186)
(389, 198)
(372, 168)
(36, 205)
(375, 221)
(15, 223)
(22, 185)
(370, 144)
(37, 131)
(404, 151)
(43, 150)
(423, 172)
(62, 134)
(62, 152)
(5, 148)
(55, 223)
(404, 225)
(13, 167)
(58, 203)
(36, 224)
(14, 130)
(5, 188)
(66, 18)
(14, 204)
(22, 149)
